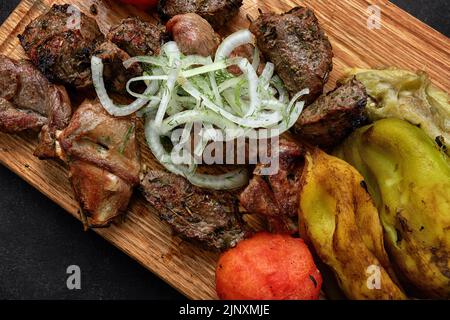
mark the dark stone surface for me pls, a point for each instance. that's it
(38, 240)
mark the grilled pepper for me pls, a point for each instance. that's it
(337, 216)
(409, 180)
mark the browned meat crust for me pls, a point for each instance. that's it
(193, 34)
(216, 12)
(332, 117)
(29, 101)
(102, 195)
(137, 37)
(276, 197)
(209, 217)
(61, 50)
(298, 47)
(103, 157)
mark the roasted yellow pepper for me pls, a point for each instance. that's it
(409, 180)
(338, 218)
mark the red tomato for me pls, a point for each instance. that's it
(143, 4)
(268, 267)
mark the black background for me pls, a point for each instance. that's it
(38, 240)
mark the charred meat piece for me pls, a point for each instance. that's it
(276, 196)
(29, 101)
(193, 34)
(216, 12)
(137, 37)
(114, 73)
(298, 47)
(332, 117)
(60, 43)
(209, 217)
(103, 158)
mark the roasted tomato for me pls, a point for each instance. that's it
(268, 267)
(143, 4)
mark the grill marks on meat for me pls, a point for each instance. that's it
(193, 34)
(298, 47)
(61, 51)
(29, 101)
(216, 12)
(276, 196)
(103, 159)
(209, 217)
(137, 37)
(332, 117)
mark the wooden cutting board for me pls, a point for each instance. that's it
(402, 41)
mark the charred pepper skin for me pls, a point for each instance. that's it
(409, 180)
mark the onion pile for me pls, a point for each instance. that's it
(183, 90)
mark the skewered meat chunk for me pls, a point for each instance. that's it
(216, 12)
(193, 34)
(332, 117)
(103, 158)
(276, 196)
(137, 37)
(60, 43)
(29, 101)
(209, 217)
(298, 47)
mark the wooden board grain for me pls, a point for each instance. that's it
(402, 41)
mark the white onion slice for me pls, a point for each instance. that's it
(105, 100)
(233, 41)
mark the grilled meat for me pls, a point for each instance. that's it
(60, 43)
(58, 119)
(193, 34)
(209, 217)
(332, 117)
(276, 196)
(14, 120)
(137, 37)
(103, 158)
(115, 74)
(216, 12)
(29, 101)
(298, 47)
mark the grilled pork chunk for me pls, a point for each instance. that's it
(297, 45)
(275, 197)
(209, 217)
(193, 34)
(29, 101)
(60, 43)
(137, 37)
(216, 12)
(103, 158)
(332, 117)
